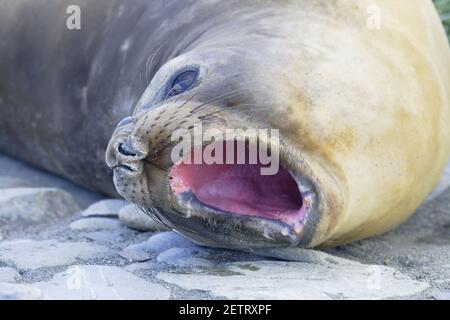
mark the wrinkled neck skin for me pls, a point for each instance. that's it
(334, 97)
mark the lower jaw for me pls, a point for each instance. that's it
(214, 228)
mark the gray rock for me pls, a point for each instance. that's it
(134, 218)
(300, 255)
(13, 291)
(154, 246)
(27, 206)
(134, 253)
(9, 275)
(95, 224)
(298, 280)
(29, 254)
(11, 182)
(19, 171)
(100, 283)
(108, 207)
(185, 257)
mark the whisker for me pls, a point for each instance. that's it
(196, 83)
(222, 110)
(171, 90)
(188, 100)
(218, 98)
(151, 58)
(151, 212)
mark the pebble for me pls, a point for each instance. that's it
(28, 206)
(108, 208)
(9, 275)
(95, 224)
(157, 244)
(29, 254)
(134, 218)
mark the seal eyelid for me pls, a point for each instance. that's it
(182, 82)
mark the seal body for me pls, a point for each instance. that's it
(62, 91)
(362, 107)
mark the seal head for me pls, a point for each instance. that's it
(348, 165)
(226, 205)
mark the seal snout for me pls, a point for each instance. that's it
(127, 157)
(230, 198)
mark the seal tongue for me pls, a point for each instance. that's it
(241, 189)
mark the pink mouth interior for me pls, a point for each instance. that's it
(241, 189)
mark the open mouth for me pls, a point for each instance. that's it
(242, 189)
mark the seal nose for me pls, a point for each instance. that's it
(127, 150)
(127, 156)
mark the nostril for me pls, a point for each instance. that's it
(126, 150)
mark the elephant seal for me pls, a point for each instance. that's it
(359, 91)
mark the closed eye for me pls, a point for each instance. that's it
(183, 82)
